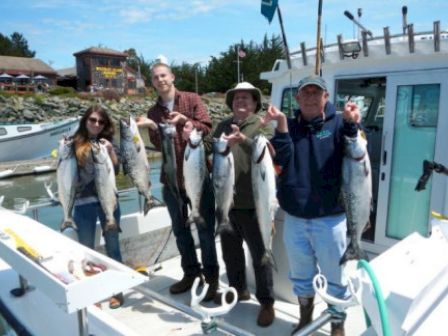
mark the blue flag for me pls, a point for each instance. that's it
(268, 8)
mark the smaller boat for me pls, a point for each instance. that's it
(33, 141)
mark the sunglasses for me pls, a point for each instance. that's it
(95, 120)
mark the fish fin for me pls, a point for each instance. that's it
(68, 223)
(269, 259)
(260, 158)
(199, 220)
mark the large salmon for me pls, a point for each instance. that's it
(195, 171)
(105, 183)
(264, 190)
(67, 175)
(223, 182)
(135, 160)
(356, 193)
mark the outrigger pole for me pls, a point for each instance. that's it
(285, 43)
(317, 70)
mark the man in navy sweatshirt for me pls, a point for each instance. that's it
(309, 151)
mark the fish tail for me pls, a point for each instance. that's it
(269, 260)
(111, 225)
(353, 252)
(68, 223)
(199, 220)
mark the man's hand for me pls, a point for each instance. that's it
(277, 116)
(186, 131)
(272, 113)
(177, 118)
(351, 113)
(107, 144)
(146, 123)
(235, 137)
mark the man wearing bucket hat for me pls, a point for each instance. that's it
(309, 150)
(245, 101)
(184, 110)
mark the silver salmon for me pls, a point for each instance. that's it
(135, 160)
(356, 193)
(67, 175)
(223, 182)
(195, 171)
(264, 190)
(105, 184)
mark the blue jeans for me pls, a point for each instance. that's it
(184, 238)
(311, 242)
(85, 217)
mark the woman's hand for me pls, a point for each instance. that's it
(235, 137)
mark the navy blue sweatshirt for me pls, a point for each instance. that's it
(310, 156)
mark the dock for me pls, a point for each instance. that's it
(27, 167)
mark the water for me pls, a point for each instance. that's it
(32, 188)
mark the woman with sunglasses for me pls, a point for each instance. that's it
(95, 126)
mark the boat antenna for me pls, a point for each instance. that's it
(352, 18)
(404, 12)
(317, 70)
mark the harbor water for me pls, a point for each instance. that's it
(32, 188)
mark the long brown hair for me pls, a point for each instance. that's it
(81, 137)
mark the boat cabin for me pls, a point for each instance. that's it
(400, 83)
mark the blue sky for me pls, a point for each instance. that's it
(192, 31)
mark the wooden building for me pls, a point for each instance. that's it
(101, 68)
(26, 73)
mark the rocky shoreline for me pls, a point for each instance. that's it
(37, 109)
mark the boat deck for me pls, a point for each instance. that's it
(146, 316)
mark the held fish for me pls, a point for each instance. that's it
(356, 193)
(135, 160)
(169, 164)
(223, 182)
(195, 171)
(264, 191)
(67, 174)
(105, 184)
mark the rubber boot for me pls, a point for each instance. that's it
(306, 313)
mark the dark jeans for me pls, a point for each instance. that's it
(245, 226)
(85, 217)
(184, 238)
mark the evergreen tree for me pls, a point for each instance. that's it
(16, 45)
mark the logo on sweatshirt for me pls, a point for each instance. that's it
(323, 134)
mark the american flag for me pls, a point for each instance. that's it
(241, 53)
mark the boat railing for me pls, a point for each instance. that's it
(24, 206)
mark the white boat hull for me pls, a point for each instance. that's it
(38, 142)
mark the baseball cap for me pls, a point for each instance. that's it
(312, 80)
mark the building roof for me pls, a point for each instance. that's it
(101, 51)
(67, 72)
(24, 65)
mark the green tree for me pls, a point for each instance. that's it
(15, 45)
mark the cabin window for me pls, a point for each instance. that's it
(364, 103)
(23, 128)
(424, 103)
(3, 131)
(289, 102)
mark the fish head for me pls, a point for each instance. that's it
(65, 149)
(220, 144)
(355, 147)
(259, 146)
(125, 128)
(167, 129)
(195, 137)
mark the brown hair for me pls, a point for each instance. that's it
(81, 136)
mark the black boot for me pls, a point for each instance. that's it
(306, 313)
(213, 284)
(337, 329)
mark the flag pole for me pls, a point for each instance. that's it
(317, 69)
(238, 62)
(285, 43)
